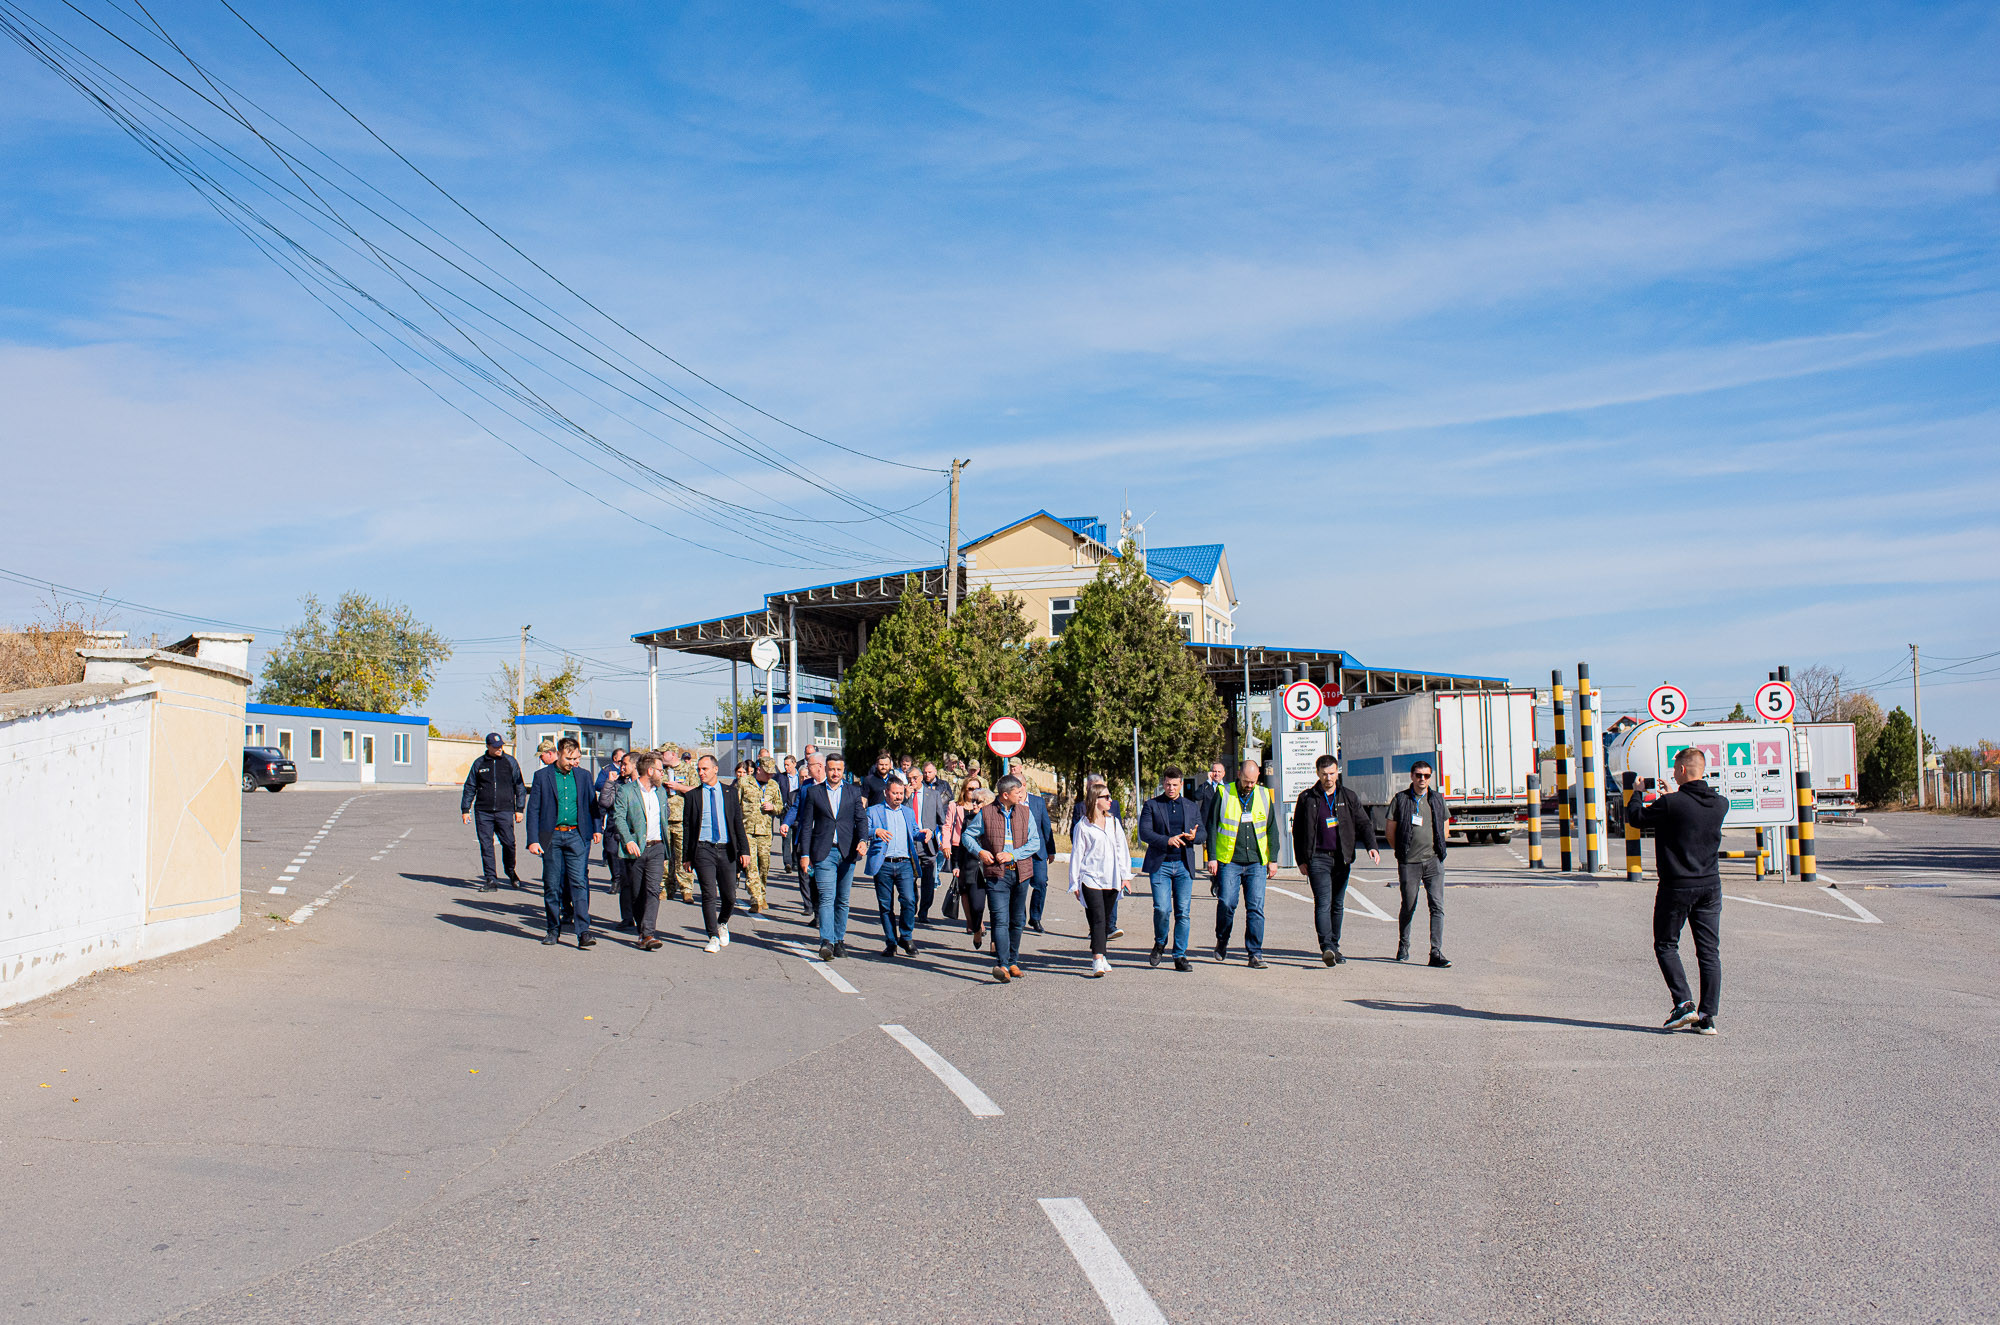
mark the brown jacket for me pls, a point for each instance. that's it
(993, 833)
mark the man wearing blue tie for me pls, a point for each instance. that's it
(716, 845)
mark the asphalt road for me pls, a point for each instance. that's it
(403, 1107)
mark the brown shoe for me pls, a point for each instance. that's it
(650, 944)
(1014, 971)
(1000, 974)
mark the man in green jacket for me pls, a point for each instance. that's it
(639, 820)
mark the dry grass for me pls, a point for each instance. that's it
(43, 652)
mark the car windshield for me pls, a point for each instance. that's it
(267, 751)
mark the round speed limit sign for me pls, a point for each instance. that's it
(1775, 701)
(1668, 704)
(1303, 701)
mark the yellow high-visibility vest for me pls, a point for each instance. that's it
(1232, 816)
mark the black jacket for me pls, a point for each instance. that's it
(1347, 808)
(732, 820)
(819, 833)
(494, 784)
(875, 786)
(1687, 834)
(1403, 804)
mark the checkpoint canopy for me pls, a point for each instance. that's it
(1749, 763)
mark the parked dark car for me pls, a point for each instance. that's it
(267, 767)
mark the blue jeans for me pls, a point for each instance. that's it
(566, 882)
(1007, 912)
(897, 878)
(833, 881)
(1041, 891)
(1249, 880)
(1173, 896)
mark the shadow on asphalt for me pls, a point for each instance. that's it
(1917, 858)
(1478, 1014)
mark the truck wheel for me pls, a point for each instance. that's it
(1504, 838)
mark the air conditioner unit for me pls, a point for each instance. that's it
(614, 715)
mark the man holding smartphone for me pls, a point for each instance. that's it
(1171, 826)
(1687, 841)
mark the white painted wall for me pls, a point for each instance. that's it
(73, 814)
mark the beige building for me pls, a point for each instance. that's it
(1046, 560)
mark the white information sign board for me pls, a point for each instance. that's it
(1749, 763)
(1297, 752)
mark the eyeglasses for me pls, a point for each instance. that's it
(1420, 775)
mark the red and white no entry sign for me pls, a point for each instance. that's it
(1775, 701)
(1006, 737)
(1668, 704)
(1302, 701)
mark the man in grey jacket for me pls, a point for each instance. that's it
(1418, 820)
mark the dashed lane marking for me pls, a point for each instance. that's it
(1117, 1287)
(305, 913)
(971, 1096)
(833, 977)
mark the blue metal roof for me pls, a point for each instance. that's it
(1088, 525)
(343, 715)
(572, 718)
(1197, 561)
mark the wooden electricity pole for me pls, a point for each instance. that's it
(951, 544)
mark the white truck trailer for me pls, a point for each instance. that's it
(1480, 744)
(1835, 772)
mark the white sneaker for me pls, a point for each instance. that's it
(724, 935)
(1099, 966)
(713, 945)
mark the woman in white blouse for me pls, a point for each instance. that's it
(1100, 861)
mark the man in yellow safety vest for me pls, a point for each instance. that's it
(1243, 830)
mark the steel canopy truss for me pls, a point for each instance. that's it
(1270, 668)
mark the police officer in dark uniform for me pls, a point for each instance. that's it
(495, 798)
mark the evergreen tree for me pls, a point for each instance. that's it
(1002, 672)
(1890, 771)
(903, 692)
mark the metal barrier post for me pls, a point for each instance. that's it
(1563, 809)
(1586, 735)
(1534, 821)
(1760, 855)
(1633, 868)
(1808, 817)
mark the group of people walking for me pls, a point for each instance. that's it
(664, 823)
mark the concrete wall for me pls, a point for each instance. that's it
(120, 814)
(451, 758)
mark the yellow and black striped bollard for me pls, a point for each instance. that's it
(1563, 824)
(1633, 868)
(1534, 821)
(1586, 735)
(1808, 817)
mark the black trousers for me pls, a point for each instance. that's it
(490, 824)
(639, 887)
(1328, 874)
(1700, 909)
(1097, 904)
(927, 872)
(715, 870)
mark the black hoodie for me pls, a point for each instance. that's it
(1687, 834)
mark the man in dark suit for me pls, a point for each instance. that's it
(1173, 830)
(562, 828)
(1327, 821)
(716, 845)
(833, 836)
(1038, 810)
(811, 771)
(931, 799)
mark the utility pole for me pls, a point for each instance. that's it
(1917, 700)
(951, 544)
(521, 683)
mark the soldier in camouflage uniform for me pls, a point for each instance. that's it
(680, 875)
(761, 801)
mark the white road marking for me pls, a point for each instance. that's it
(1830, 915)
(291, 869)
(833, 977)
(305, 913)
(971, 1096)
(1867, 916)
(1117, 1287)
(277, 890)
(1353, 897)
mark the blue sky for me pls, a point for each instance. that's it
(1487, 341)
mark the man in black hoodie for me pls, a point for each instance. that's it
(1687, 838)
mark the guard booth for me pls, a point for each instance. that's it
(598, 737)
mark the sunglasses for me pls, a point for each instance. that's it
(1420, 775)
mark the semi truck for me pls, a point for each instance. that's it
(1835, 772)
(1481, 748)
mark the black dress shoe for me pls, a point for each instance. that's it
(1339, 957)
(586, 943)
(1256, 962)
(1329, 956)
(840, 948)
(1222, 952)
(1154, 958)
(1183, 964)
(826, 952)
(548, 939)
(1402, 954)
(1037, 927)
(1440, 961)
(890, 950)
(909, 949)
(485, 887)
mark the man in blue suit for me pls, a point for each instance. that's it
(1038, 810)
(562, 828)
(833, 836)
(1172, 828)
(894, 843)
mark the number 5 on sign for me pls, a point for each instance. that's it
(1303, 701)
(1667, 704)
(1775, 701)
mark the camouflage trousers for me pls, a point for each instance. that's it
(680, 874)
(759, 872)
